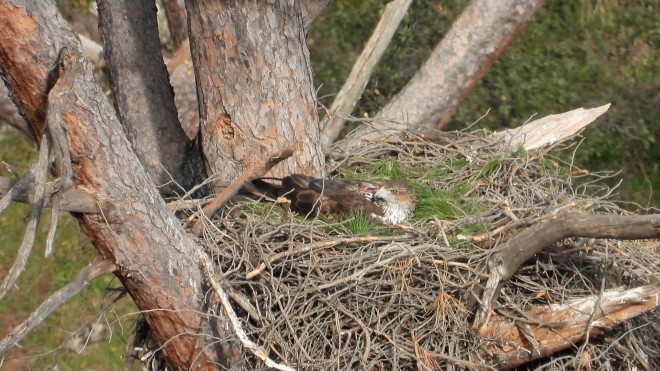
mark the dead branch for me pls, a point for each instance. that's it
(550, 129)
(72, 200)
(231, 189)
(60, 297)
(41, 172)
(362, 70)
(504, 263)
(548, 329)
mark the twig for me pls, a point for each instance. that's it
(14, 188)
(232, 188)
(233, 318)
(83, 277)
(320, 245)
(72, 200)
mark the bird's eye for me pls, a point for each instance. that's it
(394, 191)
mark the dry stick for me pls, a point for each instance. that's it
(15, 187)
(72, 200)
(504, 263)
(60, 297)
(362, 70)
(232, 188)
(33, 219)
(235, 322)
(320, 245)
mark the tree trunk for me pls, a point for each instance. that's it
(158, 263)
(254, 84)
(143, 94)
(175, 11)
(465, 54)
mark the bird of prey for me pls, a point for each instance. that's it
(391, 203)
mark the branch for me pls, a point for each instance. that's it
(24, 250)
(352, 90)
(72, 200)
(551, 328)
(60, 297)
(256, 172)
(474, 42)
(550, 129)
(504, 263)
(235, 322)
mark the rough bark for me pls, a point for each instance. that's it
(175, 11)
(158, 263)
(254, 84)
(465, 54)
(143, 94)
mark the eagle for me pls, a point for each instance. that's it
(391, 203)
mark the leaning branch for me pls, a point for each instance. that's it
(60, 297)
(362, 70)
(504, 263)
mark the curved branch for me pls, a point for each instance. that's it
(504, 263)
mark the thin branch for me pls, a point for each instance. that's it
(60, 297)
(12, 188)
(362, 70)
(72, 200)
(33, 219)
(236, 324)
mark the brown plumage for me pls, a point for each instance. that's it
(392, 202)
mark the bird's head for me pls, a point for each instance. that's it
(398, 201)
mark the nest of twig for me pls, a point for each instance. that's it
(319, 294)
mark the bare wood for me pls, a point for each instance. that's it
(160, 263)
(72, 200)
(550, 129)
(362, 69)
(554, 327)
(256, 97)
(229, 191)
(504, 263)
(60, 297)
(475, 41)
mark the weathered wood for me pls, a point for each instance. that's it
(550, 129)
(158, 263)
(72, 200)
(476, 39)
(551, 328)
(362, 69)
(504, 263)
(255, 89)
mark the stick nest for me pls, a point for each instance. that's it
(353, 294)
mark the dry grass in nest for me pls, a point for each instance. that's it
(321, 297)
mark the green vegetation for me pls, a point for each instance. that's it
(572, 54)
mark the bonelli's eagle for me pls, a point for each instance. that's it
(391, 203)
